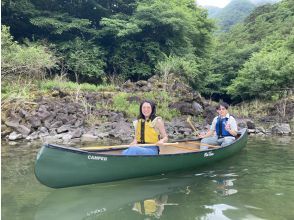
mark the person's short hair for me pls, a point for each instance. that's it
(224, 104)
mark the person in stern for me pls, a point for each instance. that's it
(223, 129)
(149, 129)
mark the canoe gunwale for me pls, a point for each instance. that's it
(79, 151)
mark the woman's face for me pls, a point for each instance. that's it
(146, 109)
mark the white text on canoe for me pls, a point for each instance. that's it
(91, 157)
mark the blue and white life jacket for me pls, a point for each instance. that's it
(220, 127)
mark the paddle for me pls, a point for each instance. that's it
(208, 145)
(125, 146)
(196, 132)
(192, 126)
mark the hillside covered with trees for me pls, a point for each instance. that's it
(106, 41)
(255, 59)
(235, 12)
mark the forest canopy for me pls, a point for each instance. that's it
(95, 41)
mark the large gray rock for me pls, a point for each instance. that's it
(24, 130)
(77, 133)
(63, 129)
(5, 130)
(15, 136)
(89, 137)
(281, 129)
(209, 113)
(12, 122)
(56, 124)
(34, 121)
(33, 136)
(43, 114)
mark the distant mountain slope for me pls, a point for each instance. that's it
(213, 11)
(235, 12)
(263, 2)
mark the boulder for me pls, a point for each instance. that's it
(43, 114)
(281, 129)
(89, 137)
(24, 130)
(63, 129)
(34, 121)
(15, 136)
(250, 124)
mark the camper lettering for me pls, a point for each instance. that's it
(92, 157)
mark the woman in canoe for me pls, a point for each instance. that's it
(149, 129)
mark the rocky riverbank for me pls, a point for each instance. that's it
(62, 117)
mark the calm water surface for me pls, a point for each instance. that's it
(258, 183)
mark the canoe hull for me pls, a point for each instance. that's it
(59, 167)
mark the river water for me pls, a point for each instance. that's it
(257, 183)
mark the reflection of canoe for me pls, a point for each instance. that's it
(103, 199)
(58, 166)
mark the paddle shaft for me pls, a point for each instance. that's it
(124, 146)
(176, 144)
(192, 126)
(203, 144)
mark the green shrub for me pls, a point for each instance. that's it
(73, 86)
(28, 61)
(131, 109)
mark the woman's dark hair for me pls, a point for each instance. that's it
(153, 107)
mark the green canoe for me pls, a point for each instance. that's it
(58, 166)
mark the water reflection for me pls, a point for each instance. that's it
(225, 187)
(152, 207)
(217, 211)
(145, 197)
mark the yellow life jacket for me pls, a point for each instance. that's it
(148, 207)
(146, 132)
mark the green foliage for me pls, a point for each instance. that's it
(254, 59)
(265, 74)
(227, 60)
(101, 38)
(156, 28)
(121, 104)
(28, 61)
(185, 67)
(47, 85)
(12, 91)
(60, 23)
(131, 109)
(84, 58)
(132, 59)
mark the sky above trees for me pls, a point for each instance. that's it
(217, 3)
